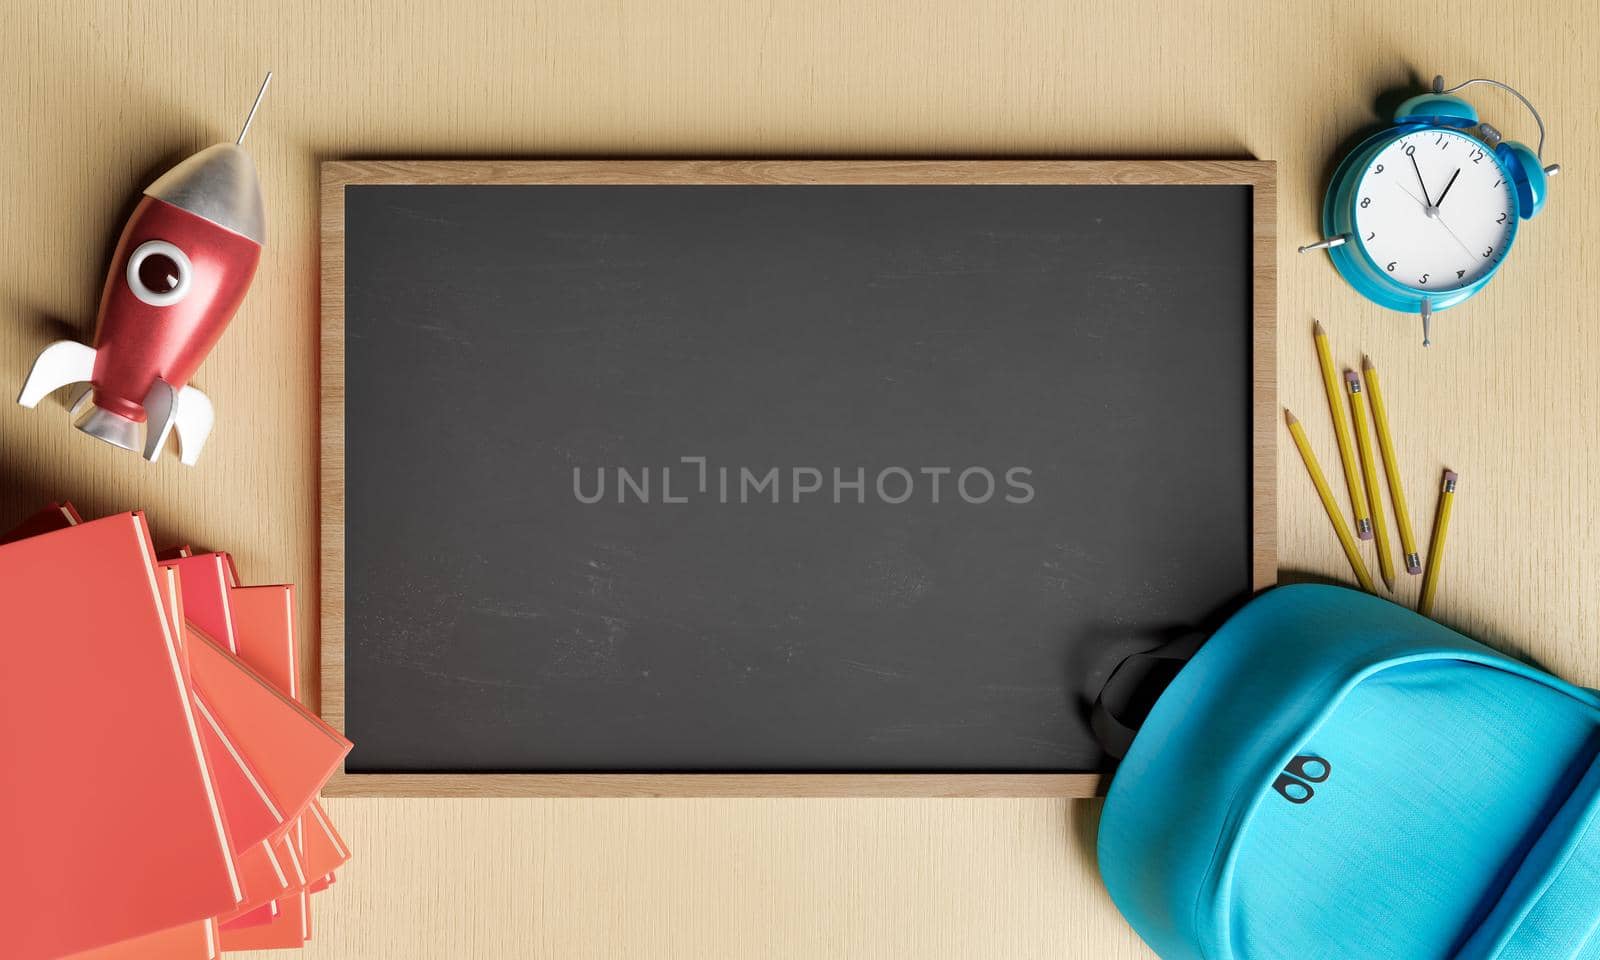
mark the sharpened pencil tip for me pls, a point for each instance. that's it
(1316, 328)
(1366, 362)
(1289, 417)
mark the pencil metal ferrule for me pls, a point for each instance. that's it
(1450, 484)
(1413, 563)
(1364, 528)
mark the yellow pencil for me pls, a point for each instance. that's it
(1369, 471)
(1341, 430)
(1441, 526)
(1391, 468)
(1321, 483)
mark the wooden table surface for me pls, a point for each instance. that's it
(102, 95)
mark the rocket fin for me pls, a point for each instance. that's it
(160, 405)
(193, 418)
(81, 402)
(61, 363)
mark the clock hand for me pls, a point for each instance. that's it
(1470, 252)
(1405, 190)
(1424, 186)
(1434, 216)
(1440, 201)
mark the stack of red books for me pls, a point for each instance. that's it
(160, 773)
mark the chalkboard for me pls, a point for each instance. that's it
(774, 478)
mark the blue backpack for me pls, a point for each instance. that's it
(1334, 776)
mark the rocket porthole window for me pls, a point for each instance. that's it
(158, 273)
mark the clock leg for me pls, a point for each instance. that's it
(1427, 321)
(1327, 244)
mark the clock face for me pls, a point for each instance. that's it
(1434, 210)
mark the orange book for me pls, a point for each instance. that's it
(325, 849)
(290, 881)
(264, 633)
(100, 714)
(263, 622)
(289, 929)
(192, 941)
(264, 878)
(290, 749)
(265, 642)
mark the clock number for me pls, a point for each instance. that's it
(1366, 202)
(1475, 156)
(1460, 274)
(1390, 268)
(1502, 219)
(1487, 252)
(1496, 184)
(1378, 168)
(1411, 150)
(1424, 279)
(1371, 235)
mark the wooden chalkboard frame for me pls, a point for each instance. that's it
(1260, 176)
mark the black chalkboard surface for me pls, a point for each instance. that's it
(780, 478)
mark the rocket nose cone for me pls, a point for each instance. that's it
(219, 184)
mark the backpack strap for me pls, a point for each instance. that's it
(1551, 910)
(1125, 700)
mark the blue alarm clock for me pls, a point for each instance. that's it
(1420, 216)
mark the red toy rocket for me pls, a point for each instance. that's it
(180, 270)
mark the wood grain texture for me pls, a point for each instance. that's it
(103, 94)
(1260, 176)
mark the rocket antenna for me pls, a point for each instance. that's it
(253, 107)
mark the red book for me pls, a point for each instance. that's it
(205, 595)
(56, 516)
(254, 918)
(250, 813)
(260, 876)
(247, 812)
(245, 809)
(99, 715)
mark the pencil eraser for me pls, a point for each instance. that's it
(1450, 476)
